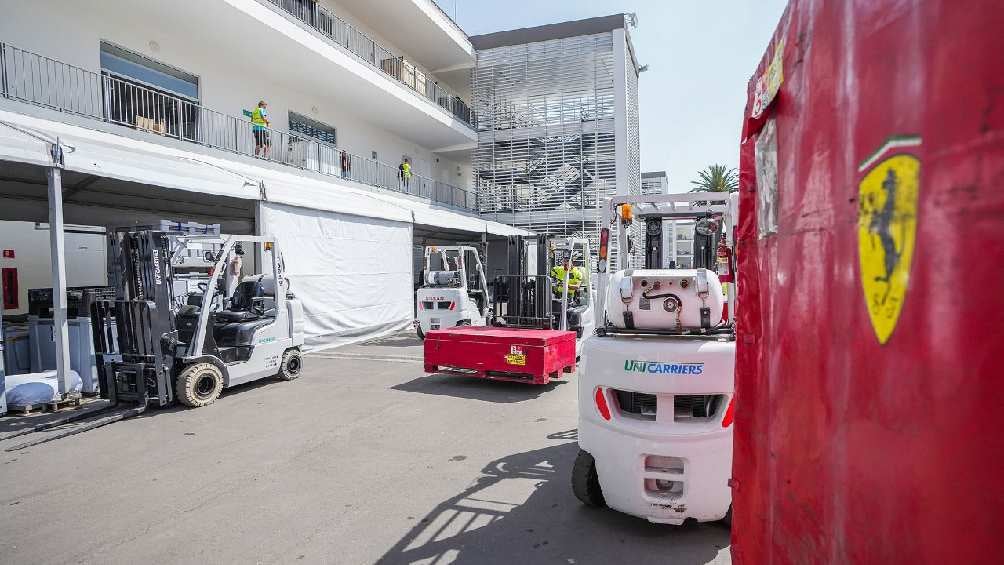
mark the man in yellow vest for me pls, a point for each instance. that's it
(405, 170)
(575, 276)
(259, 126)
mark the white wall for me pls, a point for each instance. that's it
(73, 36)
(85, 259)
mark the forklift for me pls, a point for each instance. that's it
(656, 383)
(531, 297)
(537, 322)
(157, 345)
(454, 291)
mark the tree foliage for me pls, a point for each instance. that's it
(716, 178)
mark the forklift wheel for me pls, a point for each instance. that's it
(292, 365)
(199, 384)
(727, 520)
(585, 481)
(421, 334)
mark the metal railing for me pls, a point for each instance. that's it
(442, 9)
(361, 45)
(35, 79)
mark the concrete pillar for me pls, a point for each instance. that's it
(57, 253)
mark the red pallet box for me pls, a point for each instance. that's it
(531, 356)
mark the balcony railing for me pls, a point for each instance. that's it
(362, 46)
(442, 9)
(39, 80)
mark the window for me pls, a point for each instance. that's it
(149, 95)
(312, 128)
(126, 64)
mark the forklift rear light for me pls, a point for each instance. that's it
(601, 403)
(604, 243)
(453, 305)
(729, 415)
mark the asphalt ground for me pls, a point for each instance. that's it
(364, 459)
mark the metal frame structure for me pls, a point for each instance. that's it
(557, 131)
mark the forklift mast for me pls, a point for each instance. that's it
(653, 243)
(134, 333)
(523, 296)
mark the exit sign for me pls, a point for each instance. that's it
(8, 253)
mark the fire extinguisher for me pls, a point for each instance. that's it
(725, 265)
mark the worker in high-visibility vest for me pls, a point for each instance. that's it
(575, 276)
(259, 127)
(405, 170)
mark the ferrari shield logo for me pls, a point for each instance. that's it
(887, 229)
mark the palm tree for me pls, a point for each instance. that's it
(716, 178)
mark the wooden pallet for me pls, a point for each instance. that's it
(44, 407)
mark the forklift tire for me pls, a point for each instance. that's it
(585, 481)
(292, 365)
(727, 520)
(421, 334)
(199, 384)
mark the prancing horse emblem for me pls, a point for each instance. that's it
(887, 229)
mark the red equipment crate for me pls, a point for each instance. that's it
(530, 356)
(868, 404)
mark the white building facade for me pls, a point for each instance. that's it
(150, 104)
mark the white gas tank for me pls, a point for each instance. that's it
(664, 299)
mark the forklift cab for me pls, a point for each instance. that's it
(570, 256)
(454, 291)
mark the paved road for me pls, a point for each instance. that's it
(364, 459)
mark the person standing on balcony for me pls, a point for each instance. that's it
(346, 164)
(259, 125)
(405, 171)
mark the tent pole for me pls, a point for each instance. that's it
(57, 253)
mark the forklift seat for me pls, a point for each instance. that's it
(236, 325)
(242, 304)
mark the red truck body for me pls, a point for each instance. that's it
(871, 267)
(524, 355)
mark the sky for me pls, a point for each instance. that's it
(700, 56)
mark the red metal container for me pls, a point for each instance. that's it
(531, 356)
(871, 258)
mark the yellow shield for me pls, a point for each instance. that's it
(887, 230)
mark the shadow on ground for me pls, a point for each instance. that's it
(476, 388)
(406, 338)
(14, 427)
(521, 510)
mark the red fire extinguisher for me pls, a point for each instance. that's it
(724, 256)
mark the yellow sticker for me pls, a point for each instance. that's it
(887, 230)
(515, 359)
(516, 356)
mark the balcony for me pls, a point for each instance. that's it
(397, 67)
(421, 28)
(41, 81)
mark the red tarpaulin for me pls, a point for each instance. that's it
(871, 270)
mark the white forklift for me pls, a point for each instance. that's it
(454, 290)
(157, 346)
(656, 380)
